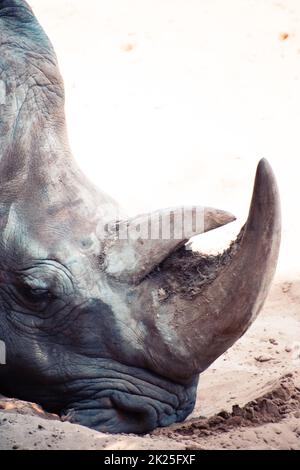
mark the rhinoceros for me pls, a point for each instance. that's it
(104, 323)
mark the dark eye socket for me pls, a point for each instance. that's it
(35, 295)
(38, 294)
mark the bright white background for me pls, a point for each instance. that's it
(173, 102)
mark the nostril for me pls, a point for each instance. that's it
(135, 414)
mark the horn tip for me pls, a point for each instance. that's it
(265, 177)
(215, 218)
(225, 217)
(265, 197)
(264, 168)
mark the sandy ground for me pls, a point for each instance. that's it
(172, 102)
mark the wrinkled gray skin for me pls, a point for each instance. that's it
(87, 337)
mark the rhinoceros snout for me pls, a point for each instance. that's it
(126, 415)
(135, 411)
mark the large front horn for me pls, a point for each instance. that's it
(225, 309)
(188, 334)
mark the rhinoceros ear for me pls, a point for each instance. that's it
(139, 244)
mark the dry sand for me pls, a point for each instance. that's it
(186, 97)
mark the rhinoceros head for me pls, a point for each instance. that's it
(107, 320)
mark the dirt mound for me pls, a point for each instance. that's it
(274, 406)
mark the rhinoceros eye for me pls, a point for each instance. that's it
(34, 295)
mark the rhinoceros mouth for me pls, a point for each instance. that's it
(125, 413)
(129, 405)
